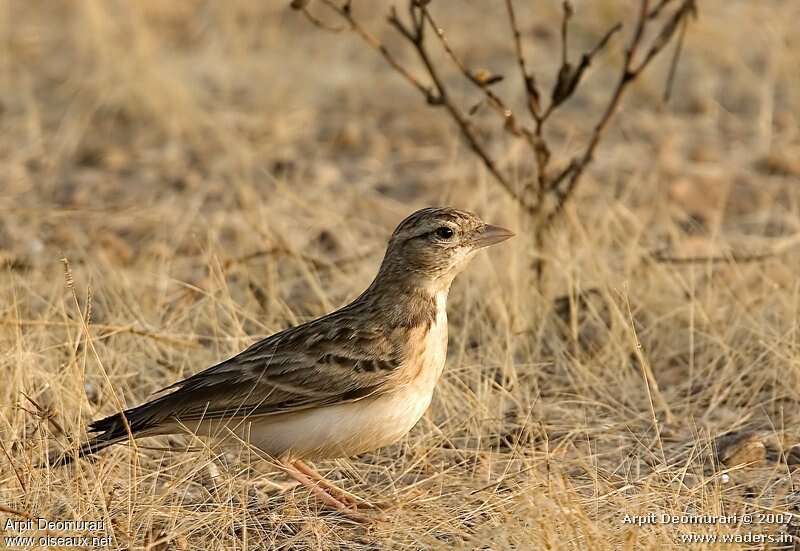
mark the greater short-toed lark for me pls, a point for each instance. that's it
(349, 382)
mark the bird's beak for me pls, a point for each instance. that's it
(491, 235)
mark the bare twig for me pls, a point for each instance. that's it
(567, 11)
(656, 11)
(569, 77)
(580, 163)
(436, 96)
(667, 31)
(483, 82)
(317, 22)
(673, 66)
(345, 11)
(415, 35)
(529, 80)
(628, 74)
(546, 195)
(662, 257)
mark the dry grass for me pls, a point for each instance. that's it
(215, 172)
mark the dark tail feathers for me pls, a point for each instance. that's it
(113, 429)
(138, 421)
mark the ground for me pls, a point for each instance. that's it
(214, 172)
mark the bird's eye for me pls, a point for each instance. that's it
(444, 232)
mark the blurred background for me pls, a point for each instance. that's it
(216, 171)
(134, 108)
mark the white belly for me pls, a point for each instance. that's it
(341, 430)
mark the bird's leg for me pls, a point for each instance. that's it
(324, 496)
(342, 495)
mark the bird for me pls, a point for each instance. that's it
(349, 382)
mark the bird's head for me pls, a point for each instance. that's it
(433, 245)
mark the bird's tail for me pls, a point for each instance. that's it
(113, 430)
(144, 420)
(87, 449)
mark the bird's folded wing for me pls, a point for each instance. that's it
(289, 371)
(269, 378)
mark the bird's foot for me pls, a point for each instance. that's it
(330, 494)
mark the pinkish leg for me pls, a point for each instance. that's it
(324, 496)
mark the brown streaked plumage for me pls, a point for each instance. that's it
(354, 380)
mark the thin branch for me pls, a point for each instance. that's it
(567, 9)
(626, 76)
(415, 36)
(531, 89)
(562, 184)
(510, 122)
(637, 38)
(319, 23)
(567, 171)
(661, 257)
(673, 66)
(483, 82)
(569, 78)
(667, 31)
(346, 12)
(656, 11)
(478, 80)
(313, 19)
(603, 41)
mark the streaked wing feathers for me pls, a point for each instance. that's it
(320, 363)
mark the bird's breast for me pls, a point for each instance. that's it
(434, 351)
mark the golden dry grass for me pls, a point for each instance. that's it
(215, 172)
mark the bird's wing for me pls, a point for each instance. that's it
(320, 363)
(294, 371)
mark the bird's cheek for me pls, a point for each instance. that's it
(461, 259)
